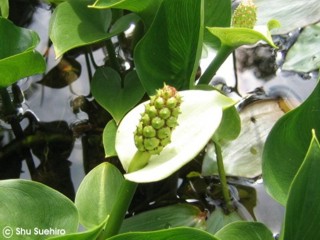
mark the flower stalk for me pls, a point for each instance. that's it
(223, 179)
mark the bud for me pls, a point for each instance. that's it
(154, 130)
(245, 15)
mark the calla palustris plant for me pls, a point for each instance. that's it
(196, 116)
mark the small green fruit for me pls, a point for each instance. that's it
(149, 131)
(245, 15)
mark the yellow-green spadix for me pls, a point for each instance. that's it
(153, 132)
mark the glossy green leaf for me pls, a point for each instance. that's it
(244, 231)
(216, 14)
(170, 50)
(200, 117)
(4, 8)
(109, 139)
(218, 219)
(108, 91)
(287, 145)
(97, 194)
(235, 37)
(146, 9)
(304, 55)
(18, 58)
(32, 206)
(303, 209)
(73, 24)
(166, 217)
(182, 233)
(292, 14)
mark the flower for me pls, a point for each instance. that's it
(201, 113)
(245, 15)
(159, 119)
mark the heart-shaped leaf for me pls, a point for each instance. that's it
(106, 87)
(287, 145)
(170, 50)
(18, 59)
(182, 233)
(100, 185)
(31, 207)
(304, 55)
(302, 210)
(244, 231)
(201, 112)
(73, 24)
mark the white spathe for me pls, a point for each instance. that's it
(201, 113)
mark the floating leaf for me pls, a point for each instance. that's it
(304, 55)
(302, 209)
(18, 58)
(33, 206)
(244, 231)
(242, 156)
(109, 139)
(292, 14)
(73, 24)
(166, 217)
(287, 145)
(235, 37)
(170, 50)
(108, 91)
(182, 233)
(67, 71)
(200, 117)
(100, 185)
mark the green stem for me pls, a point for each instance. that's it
(88, 65)
(10, 113)
(223, 178)
(112, 56)
(119, 210)
(222, 54)
(139, 160)
(125, 196)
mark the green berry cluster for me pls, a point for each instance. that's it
(160, 117)
(245, 15)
